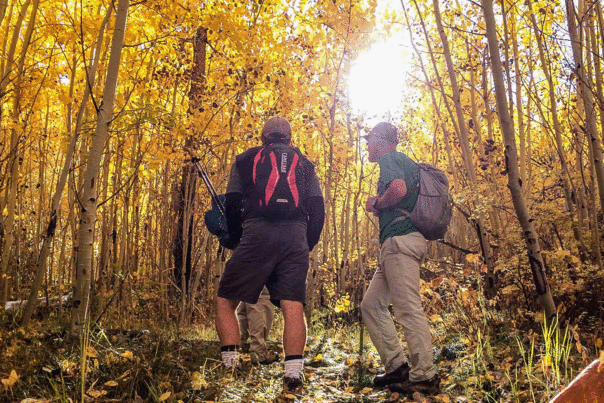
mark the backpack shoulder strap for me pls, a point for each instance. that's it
(246, 163)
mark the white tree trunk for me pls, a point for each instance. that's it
(56, 199)
(89, 196)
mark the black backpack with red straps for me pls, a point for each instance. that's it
(276, 180)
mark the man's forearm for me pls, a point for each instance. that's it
(392, 196)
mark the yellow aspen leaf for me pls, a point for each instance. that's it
(96, 393)
(473, 258)
(164, 396)
(318, 357)
(91, 352)
(437, 281)
(128, 355)
(65, 99)
(436, 318)
(12, 378)
(599, 343)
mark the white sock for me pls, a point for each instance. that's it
(293, 368)
(230, 358)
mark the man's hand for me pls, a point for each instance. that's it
(369, 205)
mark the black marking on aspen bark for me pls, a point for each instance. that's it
(52, 225)
(538, 275)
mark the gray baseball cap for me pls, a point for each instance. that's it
(384, 131)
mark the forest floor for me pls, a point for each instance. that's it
(41, 364)
(495, 350)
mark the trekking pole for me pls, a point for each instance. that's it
(208, 182)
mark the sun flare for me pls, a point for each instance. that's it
(377, 78)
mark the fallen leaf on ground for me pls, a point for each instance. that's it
(12, 378)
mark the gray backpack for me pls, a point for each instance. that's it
(434, 207)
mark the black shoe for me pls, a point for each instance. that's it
(428, 387)
(399, 375)
(292, 385)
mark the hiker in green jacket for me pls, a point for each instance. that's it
(396, 280)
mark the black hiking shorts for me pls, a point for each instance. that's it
(271, 253)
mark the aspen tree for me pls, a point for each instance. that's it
(553, 107)
(54, 209)
(511, 156)
(183, 240)
(466, 153)
(91, 180)
(15, 158)
(595, 244)
(585, 94)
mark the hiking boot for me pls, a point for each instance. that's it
(399, 375)
(292, 385)
(428, 387)
(270, 357)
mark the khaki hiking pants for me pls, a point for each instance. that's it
(396, 282)
(255, 322)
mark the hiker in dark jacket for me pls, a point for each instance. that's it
(396, 280)
(275, 214)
